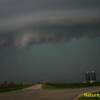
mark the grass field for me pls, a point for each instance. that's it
(68, 85)
(86, 98)
(12, 87)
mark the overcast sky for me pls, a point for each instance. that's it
(51, 40)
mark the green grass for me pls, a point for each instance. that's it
(68, 85)
(12, 88)
(88, 98)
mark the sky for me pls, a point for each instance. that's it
(49, 40)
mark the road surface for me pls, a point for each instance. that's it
(37, 93)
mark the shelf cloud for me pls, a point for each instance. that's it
(22, 29)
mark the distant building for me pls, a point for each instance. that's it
(87, 77)
(90, 77)
(93, 76)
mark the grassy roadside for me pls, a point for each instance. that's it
(9, 88)
(68, 85)
(86, 98)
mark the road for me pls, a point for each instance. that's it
(37, 93)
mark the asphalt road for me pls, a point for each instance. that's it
(37, 93)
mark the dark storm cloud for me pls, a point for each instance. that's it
(52, 27)
(22, 6)
(49, 34)
(24, 23)
(49, 17)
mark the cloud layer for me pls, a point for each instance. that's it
(49, 34)
(22, 29)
